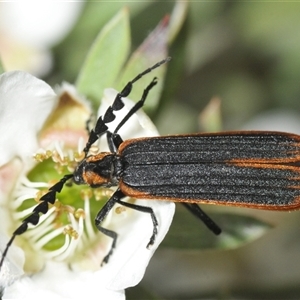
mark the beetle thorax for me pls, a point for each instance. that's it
(102, 169)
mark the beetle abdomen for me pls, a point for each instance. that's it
(248, 169)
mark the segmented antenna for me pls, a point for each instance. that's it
(109, 116)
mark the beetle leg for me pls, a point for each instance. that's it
(200, 214)
(114, 140)
(145, 209)
(101, 216)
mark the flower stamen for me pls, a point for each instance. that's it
(67, 228)
(90, 233)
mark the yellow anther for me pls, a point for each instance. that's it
(78, 156)
(86, 193)
(102, 193)
(120, 209)
(71, 231)
(48, 153)
(79, 213)
(94, 150)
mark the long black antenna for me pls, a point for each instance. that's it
(34, 217)
(109, 116)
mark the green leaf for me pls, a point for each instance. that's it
(151, 51)
(105, 58)
(91, 20)
(239, 230)
(177, 19)
(189, 233)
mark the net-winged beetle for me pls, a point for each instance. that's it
(256, 169)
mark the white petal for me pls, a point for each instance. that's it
(128, 262)
(25, 104)
(125, 268)
(12, 267)
(59, 282)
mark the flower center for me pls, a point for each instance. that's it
(67, 229)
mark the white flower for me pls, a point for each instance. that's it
(61, 256)
(29, 29)
(26, 102)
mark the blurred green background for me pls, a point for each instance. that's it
(248, 55)
(245, 53)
